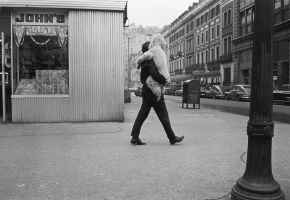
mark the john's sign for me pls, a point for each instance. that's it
(40, 18)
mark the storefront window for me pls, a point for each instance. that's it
(41, 54)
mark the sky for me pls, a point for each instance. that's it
(156, 12)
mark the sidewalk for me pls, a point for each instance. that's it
(94, 161)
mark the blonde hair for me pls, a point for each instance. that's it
(158, 40)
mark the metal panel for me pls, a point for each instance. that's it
(69, 4)
(40, 108)
(96, 65)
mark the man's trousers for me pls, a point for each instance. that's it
(149, 100)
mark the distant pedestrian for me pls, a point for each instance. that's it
(148, 68)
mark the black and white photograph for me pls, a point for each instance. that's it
(144, 100)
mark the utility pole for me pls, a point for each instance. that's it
(258, 182)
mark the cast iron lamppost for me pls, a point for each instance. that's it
(258, 183)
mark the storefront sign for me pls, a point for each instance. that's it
(41, 30)
(31, 18)
(40, 23)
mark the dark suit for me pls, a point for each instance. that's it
(149, 100)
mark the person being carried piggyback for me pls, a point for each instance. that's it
(156, 52)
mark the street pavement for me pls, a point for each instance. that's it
(94, 161)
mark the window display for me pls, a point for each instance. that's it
(40, 55)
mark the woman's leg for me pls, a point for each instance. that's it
(141, 117)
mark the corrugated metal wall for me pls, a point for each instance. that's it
(96, 79)
(40, 108)
(96, 65)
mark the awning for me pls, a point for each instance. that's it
(206, 73)
(181, 77)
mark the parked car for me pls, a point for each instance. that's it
(282, 95)
(239, 93)
(178, 92)
(202, 91)
(138, 92)
(215, 92)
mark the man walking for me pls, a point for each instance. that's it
(149, 100)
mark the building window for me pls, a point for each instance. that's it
(217, 10)
(217, 52)
(217, 30)
(286, 2)
(225, 18)
(229, 17)
(192, 44)
(41, 57)
(246, 21)
(277, 4)
(212, 33)
(207, 56)
(225, 46)
(191, 25)
(229, 45)
(207, 35)
(202, 38)
(244, 3)
(249, 21)
(206, 17)
(243, 23)
(212, 13)
(212, 56)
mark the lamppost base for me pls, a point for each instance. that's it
(242, 191)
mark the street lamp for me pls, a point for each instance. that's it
(258, 183)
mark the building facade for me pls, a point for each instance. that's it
(228, 66)
(207, 42)
(244, 13)
(213, 41)
(194, 43)
(281, 38)
(180, 38)
(243, 33)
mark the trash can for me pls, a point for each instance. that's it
(191, 94)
